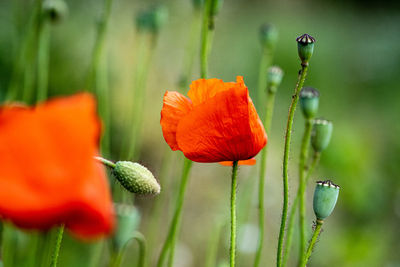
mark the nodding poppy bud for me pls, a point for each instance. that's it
(305, 47)
(325, 196)
(268, 36)
(55, 10)
(135, 178)
(274, 78)
(309, 100)
(321, 134)
(128, 218)
(152, 19)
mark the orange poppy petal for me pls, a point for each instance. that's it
(249, 162)
(204, 89)
(49, 176)
(220, 129)
(175, 107)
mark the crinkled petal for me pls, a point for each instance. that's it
(48, 175)
(220, 129)
(175, 107)
(203, 89)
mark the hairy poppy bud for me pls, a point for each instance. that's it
(152, 19)
(321, 134)
(128, 219)
(309, 100)
(305, 46)
(274, 78)
(325, 196)
(268, 36)
(55, 10)
(135, 178)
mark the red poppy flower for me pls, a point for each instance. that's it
(218, 123)
(48, 174)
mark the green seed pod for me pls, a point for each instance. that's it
(268, 36)
(135, 178)
(321, 134)
(152, 20)
(325, 196)
(128, 219)
(309, 100)
(55, 10)
(274, 78)
(305, 47)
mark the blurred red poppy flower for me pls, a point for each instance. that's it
(48, 174)
(218, 123)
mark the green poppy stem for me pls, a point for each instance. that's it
(233, 214)
(206, 39)
(288, 137)
(263, 167)
(116, 257)
(310, 248)
(266, 59)
(293, 209)
(56, 252)
(43, 59)
(305, 144)
(106, 162)
(170, 241)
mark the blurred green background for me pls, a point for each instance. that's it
(356, 67)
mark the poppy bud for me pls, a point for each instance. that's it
(274, 78)
(268, 36)
(325, 196)
(135, 178)
(305, 46)
(321, 134)
(309, 100)
(152, 19)
(55, 10)
(128, 219)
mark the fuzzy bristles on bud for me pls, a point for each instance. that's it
(305, 47)
(135, 178)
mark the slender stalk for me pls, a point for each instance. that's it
(43, 60)
(305, 143)
(293, 209)
(212, 248)
(266, 59)
(23, 67)
(116, 257)
(263, 168)
(97, 79)
(288, 137)
(233, 214)
(314, 238)
(106, 162)
(175, 224)
(54, 258)
(205, 39)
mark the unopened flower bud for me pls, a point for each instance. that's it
(55, 10)
(321, 134)
(325, 196)
(309, 100)
(268, 36)
(305, 46)
(152, 19)
(274, 78)
(135, 178)
(128, 219)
